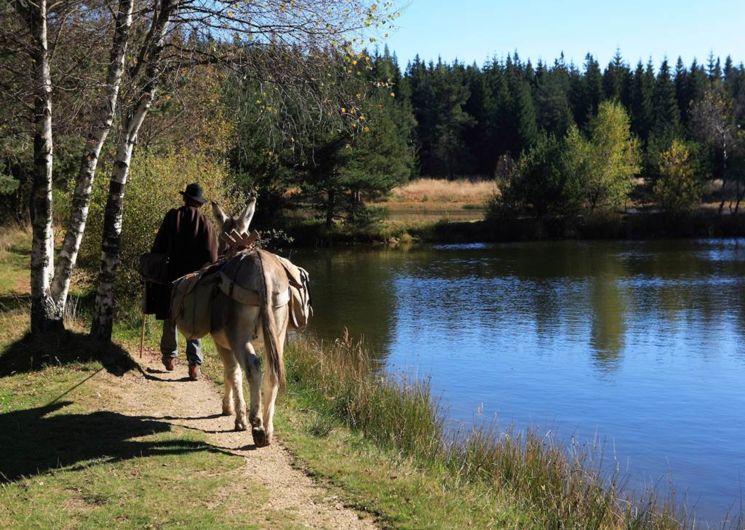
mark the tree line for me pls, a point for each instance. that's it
(470, 116)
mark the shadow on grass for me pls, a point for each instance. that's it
(32, 353)
(14, 301)
(36, 440)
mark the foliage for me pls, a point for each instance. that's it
(331, 159)
(715, 123)
(565, 176)
(605, 162)
(156, 179)
(677, 189)
(542, 182)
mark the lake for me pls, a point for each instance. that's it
(638, 345)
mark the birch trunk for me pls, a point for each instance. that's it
(45, 314)
(103, 313)
(104, 117)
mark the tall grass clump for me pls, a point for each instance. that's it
(557, 487)
(342, 382)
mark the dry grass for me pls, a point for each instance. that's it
(444, 191)
(427, 200)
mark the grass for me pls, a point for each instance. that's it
(424, 201)
(74, 463)
(440, 191)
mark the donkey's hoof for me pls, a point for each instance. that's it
(240, 424)
(260, 437)
(227, 411)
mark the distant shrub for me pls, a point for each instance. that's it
(575, 174)
(606, 162)
(677, 189)
(541, 184)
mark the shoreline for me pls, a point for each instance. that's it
(637, 226)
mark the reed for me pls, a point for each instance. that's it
(558, 486)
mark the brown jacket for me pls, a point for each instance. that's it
(189, 239)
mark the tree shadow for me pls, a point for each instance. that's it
(36, 440)
(14, 301)
(32, 353)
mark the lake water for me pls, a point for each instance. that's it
(636, 344)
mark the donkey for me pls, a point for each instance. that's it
(239, 323)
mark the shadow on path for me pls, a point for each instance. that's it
(32, 353)
(36, 440)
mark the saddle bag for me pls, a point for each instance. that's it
(300, 304)
(153, 267)
(191, 303)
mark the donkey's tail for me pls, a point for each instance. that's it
(269, 326)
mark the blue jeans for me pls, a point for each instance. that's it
(169, 345)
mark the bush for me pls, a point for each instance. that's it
(562, 177)
(541, 183)
(605, 163)
(677, 189)
(152, 189)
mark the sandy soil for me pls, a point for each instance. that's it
(197, 405)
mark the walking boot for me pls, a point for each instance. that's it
(169, 363)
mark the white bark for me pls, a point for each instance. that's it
(44, 313)
(104, 117)
(103, 313)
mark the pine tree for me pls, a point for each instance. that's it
(681, 89)
(697, 85)
(641, 100)
(713, 69)
(665, 113)
(613, 78)
(554, 113)
(524, 114)
(476, 136)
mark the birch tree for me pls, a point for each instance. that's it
(34, 17)
(49, 284)
(713, 122)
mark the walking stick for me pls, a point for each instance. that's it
(144, 316)
(142, 334)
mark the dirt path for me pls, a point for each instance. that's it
(196, 405)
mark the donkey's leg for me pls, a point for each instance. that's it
(251, 365)
(269, 389)
(233, 401)
(270, 385)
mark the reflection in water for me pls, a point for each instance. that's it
(608, 314)
(640, 344)
(353, 290)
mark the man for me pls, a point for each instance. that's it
(189, 240)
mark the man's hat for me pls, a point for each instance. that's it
(194, 192)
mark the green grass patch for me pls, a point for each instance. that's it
(69, 460)
(384, 481)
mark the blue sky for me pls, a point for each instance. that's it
(476, 30)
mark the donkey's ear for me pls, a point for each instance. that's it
(220, 216)
(244, 220)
